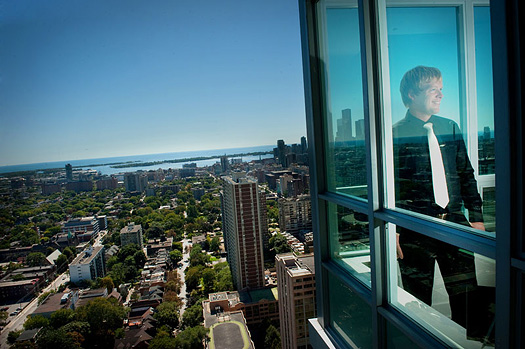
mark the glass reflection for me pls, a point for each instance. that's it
(350, 242)
(350, 316)
(343, 89)
(449, 290)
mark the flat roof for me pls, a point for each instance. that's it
(84, 257)
(231, 334)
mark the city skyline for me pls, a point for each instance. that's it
(100, 79)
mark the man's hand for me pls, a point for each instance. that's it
(478, 225)
(398, 247)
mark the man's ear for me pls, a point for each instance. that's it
(412, 95)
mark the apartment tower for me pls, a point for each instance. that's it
(296, 287)
(244, 226)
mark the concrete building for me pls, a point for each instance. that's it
(135, 182)
(296, 286)
(295, 214)
(245, 227)
(132, 234)
(83, 228)
(88, 265)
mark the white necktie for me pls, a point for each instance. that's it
(439, 180)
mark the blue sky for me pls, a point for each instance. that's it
(90, 79)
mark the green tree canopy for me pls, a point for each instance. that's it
(168, 314)
(35, 259)
(36, 321)
(192, 316)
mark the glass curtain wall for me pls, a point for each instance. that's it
(406, 236)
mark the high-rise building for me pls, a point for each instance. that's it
(360, 129)
(132, 234)
(69, 172)
(295, 214)
(88, 265)
(225, 165)
(245, 226)
(281, 152)
(304, 145)
(344, 127)
(135, 182)
(296, 287)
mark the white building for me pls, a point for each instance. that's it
(88, 265)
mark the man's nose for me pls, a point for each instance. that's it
(440, 94)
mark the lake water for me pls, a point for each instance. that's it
(97, 164)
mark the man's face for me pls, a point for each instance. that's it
(427, 102)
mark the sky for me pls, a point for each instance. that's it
(104, 78)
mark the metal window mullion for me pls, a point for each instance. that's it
(369, 18)
(448, 234)
(313, 109)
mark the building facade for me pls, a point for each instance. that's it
(131, 234)
(362, 50)
(295, 214)
(245, 226)
(88, 265)
(296, 286)
(135, 182)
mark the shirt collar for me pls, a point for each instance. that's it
(411, 118)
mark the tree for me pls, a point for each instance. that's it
(107, 283)
(36, 321)
(3, 316)
(193, 277)
(35, 259)
(168, 314)
(176, 256)
(61, 318)
(192, 316)
(104, 316)
(279, 244)
(208, 280)
(61, 263)
(215, 244)
(272, 340)
(224, 277)
(191, 338)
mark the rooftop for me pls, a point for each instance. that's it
(87, 255)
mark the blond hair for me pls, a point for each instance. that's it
(414, 79)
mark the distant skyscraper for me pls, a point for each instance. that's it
(344, 127)
(295, 214)
(360, 129)
(486, 133)
(245, 226)
(69, 172)
(296, 286)
(304, 145)
(225, 165)
(281, 152)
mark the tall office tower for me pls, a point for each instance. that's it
(304, 145)
(135, 182)
(281, 152)
(486, 133)
(225, 165)
(244, 225)
(69, 172)
(296, 287)
(360, 129)
(344, 127)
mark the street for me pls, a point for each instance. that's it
(186, 246)
(17, 321)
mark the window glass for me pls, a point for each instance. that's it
(485, 97)
(396, 339)
(433, 171)
(343, 99)
(448, 290)
(349, 241)
(350, 316)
